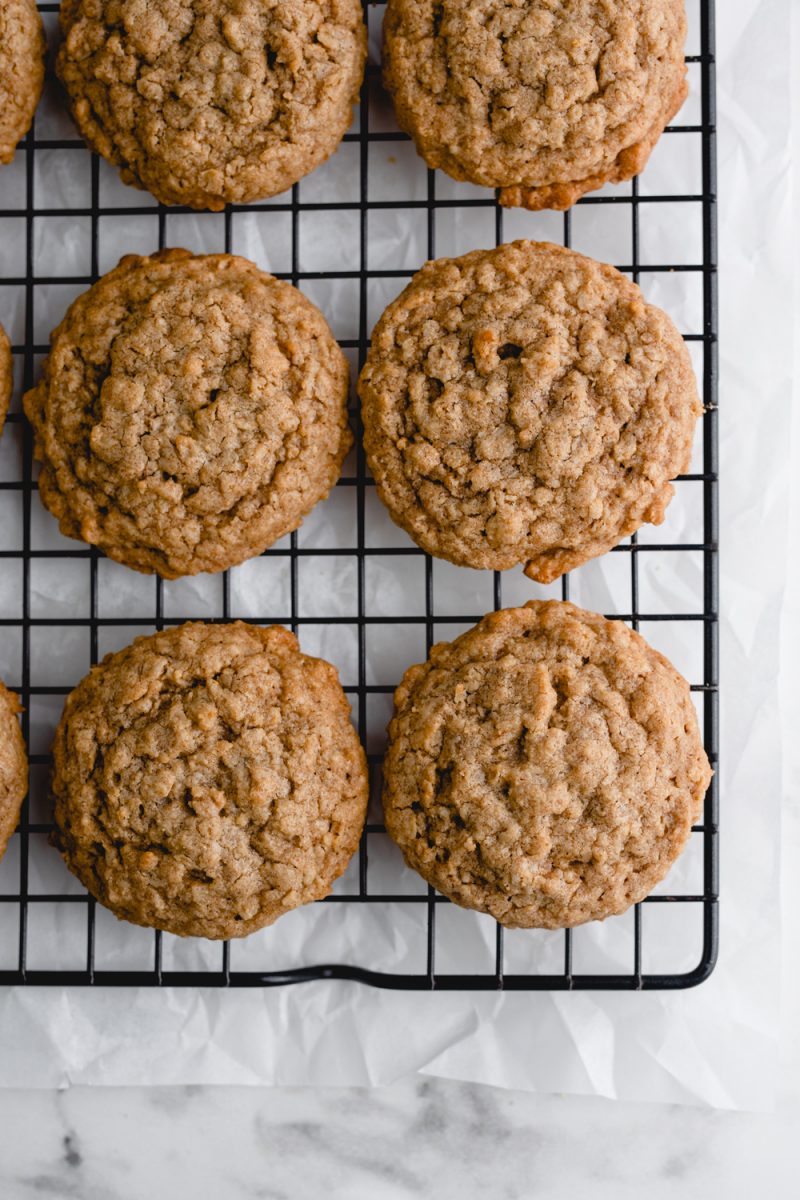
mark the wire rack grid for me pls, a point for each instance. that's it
(350, 236)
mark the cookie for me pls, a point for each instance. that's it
(13, 766)
(544, 101)
(22, 52)
(192, 410)
(207, 780)
(210, 102)
(525, 405)
(6, 376)
(545, 768)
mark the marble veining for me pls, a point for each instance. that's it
(424, 1138)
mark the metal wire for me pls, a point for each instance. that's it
(22, 899)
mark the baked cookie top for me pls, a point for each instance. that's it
(546, 767)
(206, 102)
(22, 51)
(545, 100)
(207, 780)
(191, 411)
(13, 766)
(525, 404)
(6, 376)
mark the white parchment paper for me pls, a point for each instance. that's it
(714, 1045)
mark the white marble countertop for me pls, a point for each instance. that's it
(424, 1138)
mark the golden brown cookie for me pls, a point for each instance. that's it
(6, 376)
(13, 766)
(207, 780)
(546, 767)
(544, 100)
(22, 52)
(192, 410)
(525, 405)
(206, 102)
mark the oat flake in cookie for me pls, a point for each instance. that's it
(545, 768)
(22, 51)
(192, 410)
(209, 102)
(13, 766)
(545, 99)
(207, 779)
(525, 405)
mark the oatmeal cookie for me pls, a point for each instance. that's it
(546, 767)
(544, 100)
(6, 376)
(207, 780)
(192, 410)
(22, 52)
(13, 766)
(525, 405)
(208, 102)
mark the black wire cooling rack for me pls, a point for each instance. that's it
(32, 952)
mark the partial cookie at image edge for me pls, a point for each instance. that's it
(256, 98)
(22, 63)
(6, 376)
(521, 99)
(13, 766)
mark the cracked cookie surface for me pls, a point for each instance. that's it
(13, 766)
(209, 102)
(192, 410)
(545, 768)
(525, 405)
(6, 376)
(22, 51)
(207, 780)
(545, 100)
